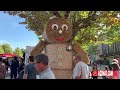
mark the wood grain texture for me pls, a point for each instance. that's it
(78, 50)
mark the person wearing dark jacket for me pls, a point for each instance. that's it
(20, 68)
(13, 67)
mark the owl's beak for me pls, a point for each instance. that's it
(60, 31)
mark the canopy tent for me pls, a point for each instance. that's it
(7, 55)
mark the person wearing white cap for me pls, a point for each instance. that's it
(115, 60)
(116, 69)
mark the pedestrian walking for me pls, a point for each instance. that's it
(20, 68)
(13, 67)
(30, 70)
(2, 70)
(81, 70)
(94, 73)
(7, 65)
(44, 71)
(106, 69)
(116, 71)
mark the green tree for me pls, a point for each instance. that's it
(18, 52)
(23, 51)
(7, 48)
(1, 49)
(88, 26)
(92, 48)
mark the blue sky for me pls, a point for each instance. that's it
(14, 33)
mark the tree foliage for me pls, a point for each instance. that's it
(92, 48)
(7, 48)
(88, 26)
(1, 49)
(23, 51)
(18, 52)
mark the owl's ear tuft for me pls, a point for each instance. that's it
(66, 14)
(52, 17)
(56, 13)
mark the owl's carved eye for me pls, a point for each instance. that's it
(64, 27)
(54, 26)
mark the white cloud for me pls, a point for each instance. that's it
(4, 41)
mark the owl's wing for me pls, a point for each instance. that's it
(38, 48)
(77, 49)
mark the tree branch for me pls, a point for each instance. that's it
(85, 23)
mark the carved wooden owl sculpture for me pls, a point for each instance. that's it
(57, 34)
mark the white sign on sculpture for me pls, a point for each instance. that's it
(27, 53)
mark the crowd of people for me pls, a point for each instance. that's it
(114, 67)
(38, 68)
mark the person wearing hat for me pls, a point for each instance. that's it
(115, 60)
(116, 70)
